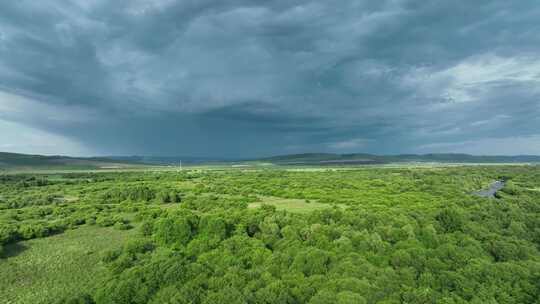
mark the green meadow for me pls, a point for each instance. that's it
(289, 204)
(43, 270)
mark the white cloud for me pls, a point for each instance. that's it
(474, 78)
(497, 119)
(15, 137)
(20, 108)
(349, 145)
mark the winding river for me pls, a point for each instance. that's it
(493, 188)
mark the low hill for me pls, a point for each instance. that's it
(363, 158)
(173, 160)
(325, 158)
(16, 161)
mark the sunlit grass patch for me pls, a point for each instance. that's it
(289, 204)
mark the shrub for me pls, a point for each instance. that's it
(122, 226)
(8, 234)
(104, 221)
(120, 219)
(110, 255)
(34, 230)
(173, 231)
(165, 197)
(510, 188)
(168, 196)
(147, 227)
(76, 221)
(138, 246)
(91, 221)
(213, 226)
(450, 220)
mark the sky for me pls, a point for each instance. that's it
(258, 78)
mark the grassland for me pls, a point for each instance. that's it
(289, 204)
(45, 269)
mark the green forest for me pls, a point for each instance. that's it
(278, 235)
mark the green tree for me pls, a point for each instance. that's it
(173, 231)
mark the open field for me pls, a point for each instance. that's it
(289, 204)
(45, 269)
(377, 234)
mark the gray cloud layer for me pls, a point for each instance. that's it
(248, 78)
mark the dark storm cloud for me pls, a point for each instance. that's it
(247, 78)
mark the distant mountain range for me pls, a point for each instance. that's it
(363, 158)
(171, 160)
(26, 161)
(18, 161)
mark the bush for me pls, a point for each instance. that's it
(450, 220)
(173, 231)
(105, 221)
(147, 227)
(110, 255)
(122, 226)
(138, 246)
(35, 230)
(120, 219)
(76, 221)
(8, 234)
(510, 188)
(168, 196)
